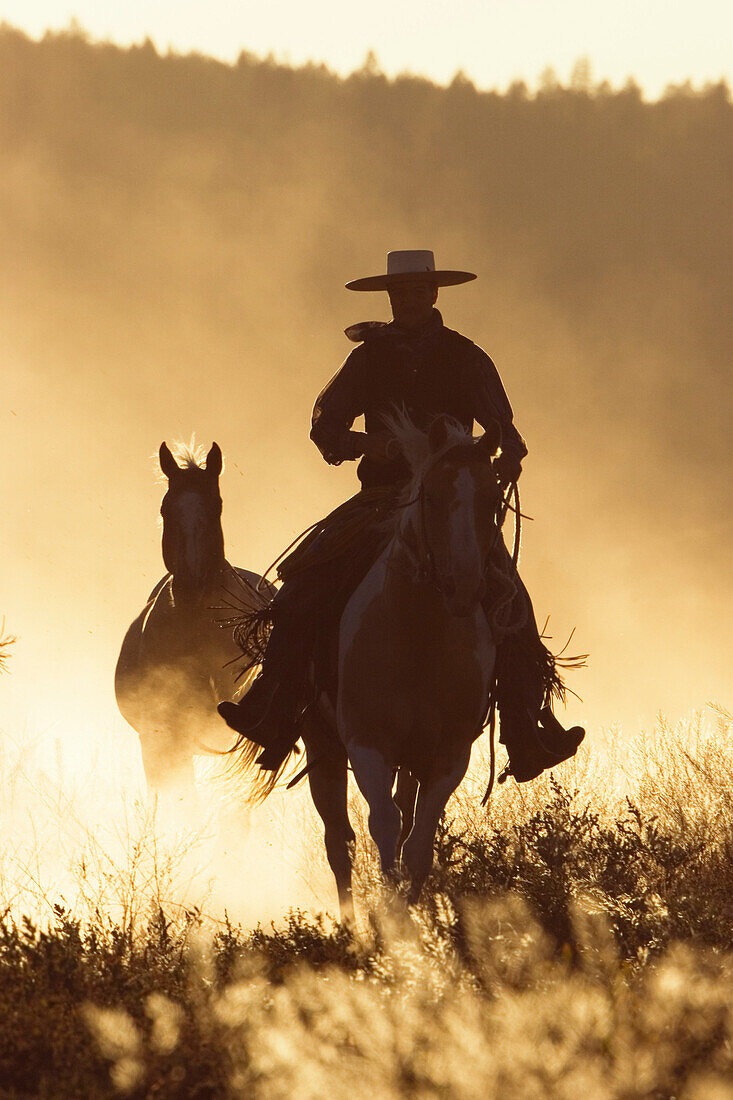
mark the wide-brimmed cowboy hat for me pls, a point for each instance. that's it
(408, 266)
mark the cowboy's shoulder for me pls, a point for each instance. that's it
(468, 349)
(375, 346)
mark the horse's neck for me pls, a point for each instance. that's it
(403, 610)
(201, 596)
(402, 564)
(407, 575)
(404, 552)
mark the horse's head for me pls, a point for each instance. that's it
(193, 543)
(457, 506)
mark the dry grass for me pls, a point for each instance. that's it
(6, 641)
(576, 938)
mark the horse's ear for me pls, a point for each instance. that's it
(168, 464)
(490, 441)
(214, 460)
(438, 433)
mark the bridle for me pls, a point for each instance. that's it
(174, 527)
(422, 555)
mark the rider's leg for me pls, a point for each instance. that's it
(308, 604)
(309, 600)
(534, 738)
(268, 713)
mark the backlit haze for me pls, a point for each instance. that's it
(174, 240)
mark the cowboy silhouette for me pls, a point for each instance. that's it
(417, 364)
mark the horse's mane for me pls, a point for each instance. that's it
(413, 441)
(189, 456)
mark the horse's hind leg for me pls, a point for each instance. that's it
(417, 854)
(405, 796)
(328, 779)
(375, 776)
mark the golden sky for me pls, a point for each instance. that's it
(656, 42)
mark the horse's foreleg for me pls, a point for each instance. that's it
(168, 769)
(405, 796)
(374, 777)
(328, 779)
(417, 854)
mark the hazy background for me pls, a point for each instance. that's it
(175, 234)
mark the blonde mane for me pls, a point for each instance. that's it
(189, 456)
(414, 445)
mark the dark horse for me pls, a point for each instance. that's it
(178, 660)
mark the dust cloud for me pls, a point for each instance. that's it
(174, 240)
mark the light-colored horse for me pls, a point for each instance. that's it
(416, 659)
(416, 651)
(178, 659)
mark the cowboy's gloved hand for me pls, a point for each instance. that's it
(508, 468)
(380, 447)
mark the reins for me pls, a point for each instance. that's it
(424, 559)
(308, 531)
(286, 551)
(512, 491)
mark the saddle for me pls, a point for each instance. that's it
(320, 574)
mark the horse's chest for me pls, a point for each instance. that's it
(186, 637)
(409, 667)
(444, 664)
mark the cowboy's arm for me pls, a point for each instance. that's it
(492, 403)
(335, 410)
